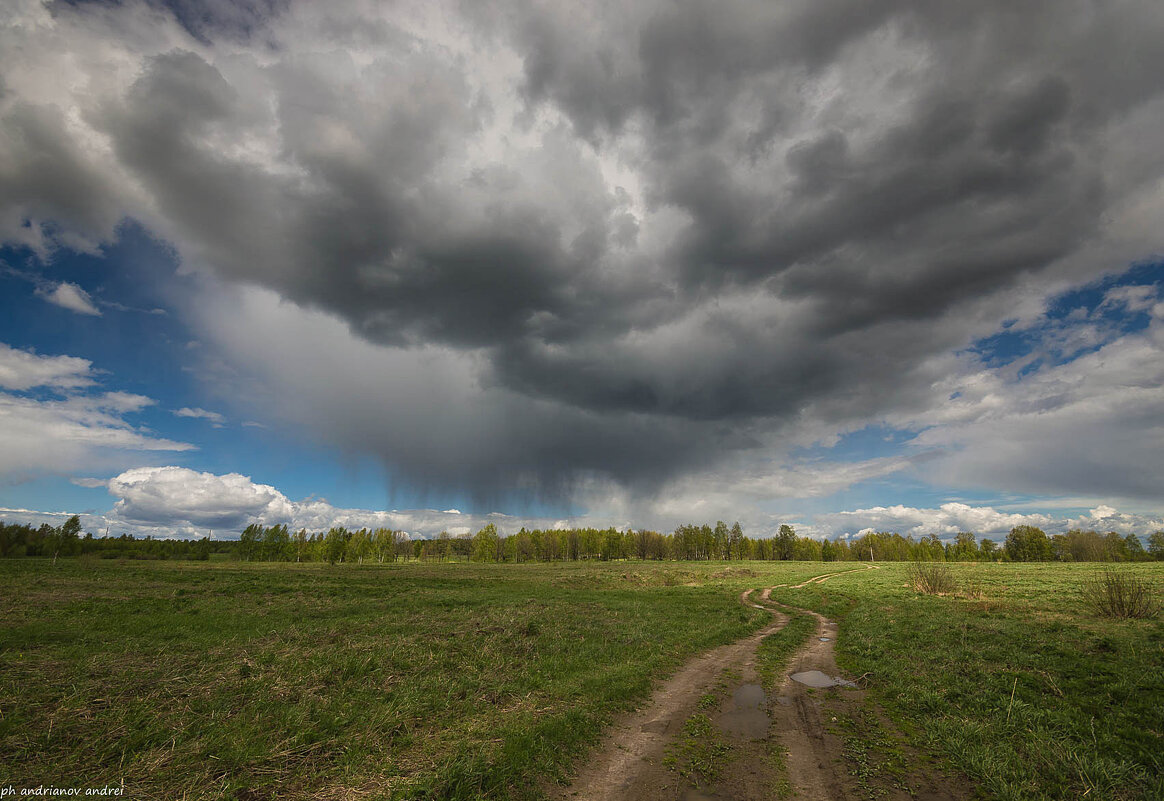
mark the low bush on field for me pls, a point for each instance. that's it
(932, 578)
(1122, 595)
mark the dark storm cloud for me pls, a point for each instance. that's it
(365, 231)
(989, 170)
(710, 220)
(45, 179)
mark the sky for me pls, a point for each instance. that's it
(427, 265)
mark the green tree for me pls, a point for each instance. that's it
(359, 547)
(828, 553)
(384, 544)
(681, 543)
(1079, 546)
(736, 541)
(1114, 548)
(785, 542)
(249, 542)
(1134, 548)
(64, 540)
(334, 544)
(523, 546)
(1156, 545)
(1028, 544)
(719, 539)
(71, 530)
(612, 545)
(276, 544)
(485, 544)
(552, 547)
(930, 549)
(965, 547)
(201, 550)
(806, 549)
(301, 545)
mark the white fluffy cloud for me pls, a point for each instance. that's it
(21, 370)
(75, 432)
(179, 496)
(81, 433)
(984, 521)
(176, 501)
(945, 521)
(1105, 518)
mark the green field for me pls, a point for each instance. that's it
(205, 680)
(1019, 686)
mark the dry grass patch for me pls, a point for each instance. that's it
(931, 578)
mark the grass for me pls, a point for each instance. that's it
(700, 753)
(872, 755)
(777, 648)
(463, 681)
(309, 681)
(1086, 719)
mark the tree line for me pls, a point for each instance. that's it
(687, 542)
(20, 539)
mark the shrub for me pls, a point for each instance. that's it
(932, 578)
(1120, 594)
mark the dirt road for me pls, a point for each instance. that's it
(710, 733)
(630, 765)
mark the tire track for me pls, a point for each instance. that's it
(629, 764)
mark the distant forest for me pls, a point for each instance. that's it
(688, 542)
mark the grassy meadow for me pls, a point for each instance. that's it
(1011, 679)
(212, 680)
(203, 680)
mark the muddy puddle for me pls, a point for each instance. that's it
(745, 714)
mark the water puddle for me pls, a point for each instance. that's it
(814, 678)
(826, 639)
(746, 716)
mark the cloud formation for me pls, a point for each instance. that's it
(179, 502)
(182, 497)
(983, 521)
(215, 418)
(1078, 415)
(945, 521)
(70, 296)
(21, 370)
(72, 430)
(641, 243)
